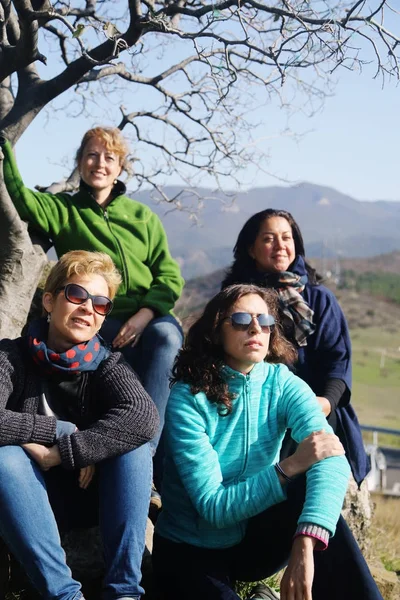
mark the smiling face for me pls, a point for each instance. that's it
(98, 166)
(242, 349)
(273, 250)
(72, 324)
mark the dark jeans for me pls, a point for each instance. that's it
(184, 571)
(152, 359)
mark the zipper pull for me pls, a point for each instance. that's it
(105, 214)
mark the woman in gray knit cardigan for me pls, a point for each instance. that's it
(74, 427)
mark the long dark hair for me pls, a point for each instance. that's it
(243, 264)
(201, 358)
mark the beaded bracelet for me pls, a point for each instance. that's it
(282, 472)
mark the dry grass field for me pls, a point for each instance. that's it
(385, 540)
(385, 532)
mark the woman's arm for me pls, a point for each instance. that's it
(48, 213)
(327, 479)
(329, 353)
(297, 580)
(333, 392)
(133, 328)
(167, 281)
(130, 419)
(17, 428)
(164, 291)
(50, 457)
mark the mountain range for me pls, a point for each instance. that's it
(203, 229)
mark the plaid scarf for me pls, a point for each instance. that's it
(82, 357)
(289, 286)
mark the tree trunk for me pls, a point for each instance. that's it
(21, 265)
(21, 262)
(20, 270)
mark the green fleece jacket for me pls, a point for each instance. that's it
(126, 230)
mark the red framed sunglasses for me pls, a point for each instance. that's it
(76, 294)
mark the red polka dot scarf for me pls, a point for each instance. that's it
(83, 357)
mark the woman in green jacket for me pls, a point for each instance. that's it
(101, 217)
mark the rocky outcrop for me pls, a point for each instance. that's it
(387, 581)
(84, 554)
(357, 511)
(85, 558)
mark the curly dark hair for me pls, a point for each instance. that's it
(201, 358)
(243, 264)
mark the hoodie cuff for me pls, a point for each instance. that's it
(315, 531)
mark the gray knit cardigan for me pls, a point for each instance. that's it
(128, 417)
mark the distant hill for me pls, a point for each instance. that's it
(332, 223)
(387, 263)
(363, 307)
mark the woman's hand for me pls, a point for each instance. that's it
(86, 476)
(312, 449)
(45, 457)
(297, 580)
(133, 328)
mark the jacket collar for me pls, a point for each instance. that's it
(299, 266)
(236, 380)
(119, 189)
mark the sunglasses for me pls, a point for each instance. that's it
(241, 321)
(76, 294)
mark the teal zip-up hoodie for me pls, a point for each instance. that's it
(126, 230)
(220, 471)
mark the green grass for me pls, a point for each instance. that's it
(373, 337)
(244, 589)
(376, 380)
(375, 368)
(381, 284)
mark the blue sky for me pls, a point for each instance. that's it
(352, 144)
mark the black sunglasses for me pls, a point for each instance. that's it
(76, 294)
(241, 321)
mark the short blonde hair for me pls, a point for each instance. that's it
(113, 140)
(82, 262)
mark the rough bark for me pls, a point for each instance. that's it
(21, 265)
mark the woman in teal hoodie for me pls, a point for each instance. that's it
(231, 509)
(101, 217)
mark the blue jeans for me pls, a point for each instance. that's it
(152, 359)
(28, 523)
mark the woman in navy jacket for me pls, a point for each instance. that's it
(270, 252)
